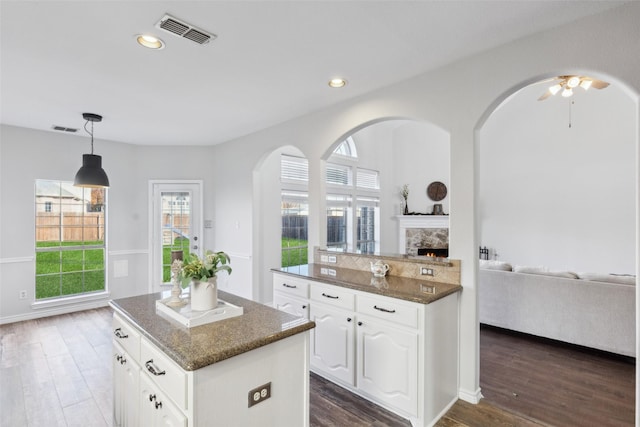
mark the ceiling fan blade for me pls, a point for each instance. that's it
(544, 96)
(599, 84)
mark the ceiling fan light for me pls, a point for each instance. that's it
(573, 81)
(586, 84)
(555, 89)
(567, 92)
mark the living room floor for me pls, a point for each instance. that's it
(556, 383)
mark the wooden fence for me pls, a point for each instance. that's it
(69, 226)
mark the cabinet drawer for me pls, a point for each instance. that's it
(333, 295)
(165, 373)
(125, 335)
(388, 309)
(291, 285)
(296, 306)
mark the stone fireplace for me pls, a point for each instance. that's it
(424, 235)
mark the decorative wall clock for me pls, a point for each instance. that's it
(437, 191)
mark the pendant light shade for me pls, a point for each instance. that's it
(91, 174)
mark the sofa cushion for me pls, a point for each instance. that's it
(543, 271)
(624, 279)
(494, 265)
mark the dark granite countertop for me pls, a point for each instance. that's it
(420, 291)
(197, 347)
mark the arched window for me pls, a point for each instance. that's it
(347, 148)
(353, 198)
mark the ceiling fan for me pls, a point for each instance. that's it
(568, 83)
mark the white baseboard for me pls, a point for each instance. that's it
(37, 314)
(470, 396)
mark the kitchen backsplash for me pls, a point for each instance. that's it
(444, 270)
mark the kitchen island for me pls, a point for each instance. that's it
(251, 369)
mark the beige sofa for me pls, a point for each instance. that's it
(585, 312)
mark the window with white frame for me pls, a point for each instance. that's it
(352, 228)
(70, 242)
(294, 178)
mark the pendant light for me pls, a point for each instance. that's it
(91, 174)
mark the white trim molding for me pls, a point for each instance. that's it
(129, 252)
(470, 396)
(17, 260)
(57, 310)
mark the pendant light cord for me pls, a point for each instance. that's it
(90, 133)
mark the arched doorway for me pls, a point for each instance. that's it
(537, 206)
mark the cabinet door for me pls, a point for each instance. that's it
(156, 409)
(126, 374)
(388, 363)
(332, 342)
(297, 307)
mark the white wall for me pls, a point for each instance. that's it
(555, 196)
(457, 98)
(27, 155)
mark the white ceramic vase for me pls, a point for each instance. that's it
(204, 295)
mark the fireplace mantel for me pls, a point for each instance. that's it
(417, 221)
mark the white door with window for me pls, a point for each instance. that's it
(176, 225)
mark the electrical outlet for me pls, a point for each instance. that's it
(259, 394)
(23, 294)
(426, 271)
(332, 259)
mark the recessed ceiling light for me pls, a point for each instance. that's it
(337, 82)
(149, 41)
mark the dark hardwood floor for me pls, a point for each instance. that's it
(555, 383)
(57, 372)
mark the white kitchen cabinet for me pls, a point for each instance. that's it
(156, 409)
(291, 295)
(126, 375)
(388, 363)
(332, 342)
(397, 353)
(292, 305)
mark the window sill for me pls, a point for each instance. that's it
(76, 299)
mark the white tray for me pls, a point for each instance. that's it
(190, 318)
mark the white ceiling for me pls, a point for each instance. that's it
(270, 63)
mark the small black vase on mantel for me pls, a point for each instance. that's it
(406, 208)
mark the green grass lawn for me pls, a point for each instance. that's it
(178, 244)
(294, 252)
(69, 272)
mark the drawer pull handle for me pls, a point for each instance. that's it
(158, 405)
(152, 397)
(289, 286)
(383, 309)
(153, 368)
(118, 332)
(123, 361)
(329, 296)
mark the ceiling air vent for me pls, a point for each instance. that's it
(64, 129)
(182, 29)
